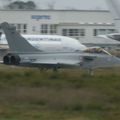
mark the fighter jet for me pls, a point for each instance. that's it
(65, 52)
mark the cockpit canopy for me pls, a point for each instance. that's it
(97, 50)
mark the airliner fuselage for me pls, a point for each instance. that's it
(52, 43)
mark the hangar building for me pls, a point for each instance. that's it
(83, 25)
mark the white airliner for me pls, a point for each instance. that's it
(53, 52)
(114, 7)
(51, 43)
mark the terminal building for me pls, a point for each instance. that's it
(84, 25)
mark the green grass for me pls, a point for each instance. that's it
(30, 94)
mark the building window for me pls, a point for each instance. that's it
(82, 32)
(33, 28)
(21, 28)
(73, 32)
(53, 29)
(48, 29)
(44, 28)
(97, 32)
(64, 32)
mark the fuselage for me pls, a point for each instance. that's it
(113, 36)
(51, 51)
(51, 43)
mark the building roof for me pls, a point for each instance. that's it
(54, 10)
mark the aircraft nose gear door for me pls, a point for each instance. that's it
(81, 61)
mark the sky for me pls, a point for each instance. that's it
(67, 4)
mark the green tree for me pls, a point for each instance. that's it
(21, 5)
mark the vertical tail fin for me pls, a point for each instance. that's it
(114, 7)
(16, 42)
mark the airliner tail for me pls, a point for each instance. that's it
(114, 7)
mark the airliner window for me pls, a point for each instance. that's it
(115, 37)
